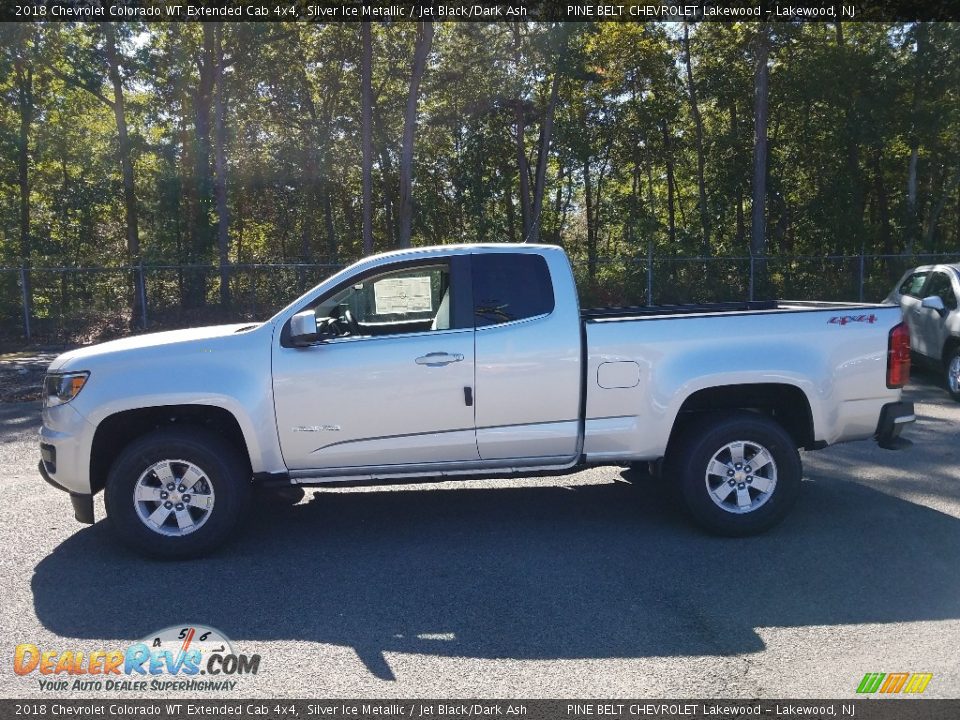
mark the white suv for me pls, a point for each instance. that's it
(928, 296)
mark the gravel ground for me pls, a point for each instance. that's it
(21, 374)
(587, 585)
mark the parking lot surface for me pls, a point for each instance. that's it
(594, 584)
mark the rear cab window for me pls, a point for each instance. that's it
(509, 287)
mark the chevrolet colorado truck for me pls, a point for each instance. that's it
(465, 361)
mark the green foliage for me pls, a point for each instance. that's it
(859, 114)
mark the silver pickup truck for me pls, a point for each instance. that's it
(460, 361)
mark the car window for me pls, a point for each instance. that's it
(941, 286)
(510, 286)
(413, 299)
(913, 284)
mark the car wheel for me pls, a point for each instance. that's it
(177, 493)
(740, 472)
(953, 374)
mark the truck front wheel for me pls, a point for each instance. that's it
(176, 493)
(740, 472)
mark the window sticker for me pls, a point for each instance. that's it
(395, 296)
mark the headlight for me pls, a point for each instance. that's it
(60, 388)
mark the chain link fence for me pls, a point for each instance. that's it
(677, 280)
(83, 304)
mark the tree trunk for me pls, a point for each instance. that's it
(671, 184)
(758, 229)
(883, 211)
(520, 126)
(386, 178)
(543, 157)
(856, 183)
(912, 196)
(421, 51)
(741, 224)
(591, 221)
(184, 205)
(332, 248)
(598, 195)
(126, 166)
(316, 189)
(698, 126)
(220, 162)
(948, 190)
(24, 78)
(311, 202)
(913, 220)
(366, 102)
(508, 206)
(633, 201)
(566, 207)
(201, 238)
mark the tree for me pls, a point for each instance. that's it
(105, 62)
(178, 144)
(701, 160)
(546, 135)
(366, 95)
(220, 164)
(126, 163)
(758, 228)
(421, 51)
(201, 231)
(23, 70)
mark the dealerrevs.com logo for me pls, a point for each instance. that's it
(199, 658)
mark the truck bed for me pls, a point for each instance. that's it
(642, 367)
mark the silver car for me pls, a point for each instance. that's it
(928, 295)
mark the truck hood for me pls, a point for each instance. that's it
(188, 340)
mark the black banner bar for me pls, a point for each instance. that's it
(274, 709)
(480, 10)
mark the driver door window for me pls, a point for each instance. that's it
(397, 302)
(941, 286)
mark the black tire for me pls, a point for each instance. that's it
(700, 443)
(950, 368)
(222, 467)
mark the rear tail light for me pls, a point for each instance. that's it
(898, 356)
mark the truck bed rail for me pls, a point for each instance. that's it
(686, 309)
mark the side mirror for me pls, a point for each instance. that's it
(934, 302)
(303, 328)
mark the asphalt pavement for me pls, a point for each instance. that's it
(594, 584)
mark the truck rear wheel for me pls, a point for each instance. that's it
(740, 472)
(176, 493)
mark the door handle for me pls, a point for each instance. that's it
(438, 359)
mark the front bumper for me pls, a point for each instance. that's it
(893, 417)
(67, 436)
(65, 441)
(82, 503)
